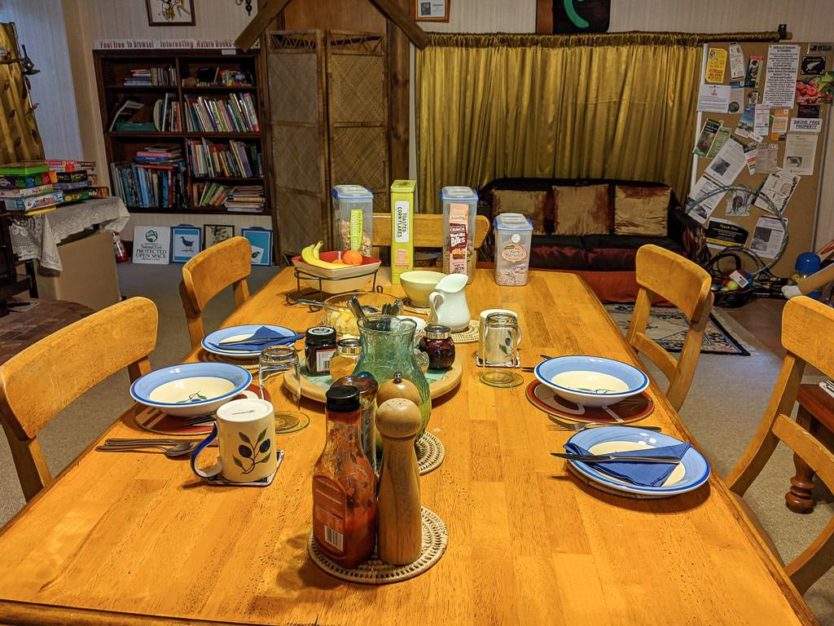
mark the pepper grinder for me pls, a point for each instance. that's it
(400, 535)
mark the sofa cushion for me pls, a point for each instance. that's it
(536, 205)
(641, 210)
(583, 210)
(593, 242)
(619, 252)
(555, 251)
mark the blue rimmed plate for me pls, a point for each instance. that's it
(211, 342)
(591, 381)
(692, 471)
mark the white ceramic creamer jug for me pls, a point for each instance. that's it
(448, 303)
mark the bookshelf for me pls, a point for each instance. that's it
(194, 129)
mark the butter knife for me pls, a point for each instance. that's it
(602, 458)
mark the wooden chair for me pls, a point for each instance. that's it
(808, 337)
(428, 230)
(210, 272)
(686, 285)
(37, 383)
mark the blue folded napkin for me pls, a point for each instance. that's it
(260, 339)
(643, 474)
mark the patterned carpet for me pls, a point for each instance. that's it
(668, 327)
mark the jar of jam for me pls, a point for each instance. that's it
(347, 356)
(439, 345)
(344, 485)
(319, 348)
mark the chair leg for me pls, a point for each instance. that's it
(29, 463)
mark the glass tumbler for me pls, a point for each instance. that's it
(501, 340)
(275, 361)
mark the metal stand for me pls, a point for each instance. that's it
(314, 298)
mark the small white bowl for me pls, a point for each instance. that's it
(418, 284)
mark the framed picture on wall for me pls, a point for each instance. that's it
(215, 233)
(431, 10)
(185, 242)
(261, 241)
(170, 12)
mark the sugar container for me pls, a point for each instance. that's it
(513, 236)
(460, 206)
(353, 218)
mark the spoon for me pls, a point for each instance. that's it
(172, 452)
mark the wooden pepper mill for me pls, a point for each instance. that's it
(400, 535)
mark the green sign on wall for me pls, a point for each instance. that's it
(581, 16)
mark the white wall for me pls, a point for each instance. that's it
(41, 28)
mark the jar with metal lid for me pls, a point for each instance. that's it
(319, 348)
(347, 356)
(439, 345)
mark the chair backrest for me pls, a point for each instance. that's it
(428, 230)
(808, 337)
(686, 285)
(208, 273)
(40, 381)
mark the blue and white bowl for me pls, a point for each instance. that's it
(190, 389)
(591, 381)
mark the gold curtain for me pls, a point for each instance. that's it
(19, 137)
(595, 106)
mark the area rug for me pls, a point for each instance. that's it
(668, 328)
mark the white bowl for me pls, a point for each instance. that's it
(190, 389)
(418, 284)
(590, 380)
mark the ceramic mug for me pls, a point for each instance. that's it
(482, 317)
(245, 430)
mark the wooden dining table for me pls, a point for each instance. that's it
(137, 538)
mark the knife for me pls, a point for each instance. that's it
(603, 458)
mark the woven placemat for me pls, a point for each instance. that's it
(409, 306)
(248, 364)
(430, 453)
(470, 335)
(376, 572)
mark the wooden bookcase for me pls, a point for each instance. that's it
(113, 67)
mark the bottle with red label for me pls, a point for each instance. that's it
(344, 485)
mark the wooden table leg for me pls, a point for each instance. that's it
(799, 498)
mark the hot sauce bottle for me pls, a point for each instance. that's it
(344, 485)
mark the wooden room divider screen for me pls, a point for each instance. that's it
(329, 119)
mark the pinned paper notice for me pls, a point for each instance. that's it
(714, 98)
(806, 125)
(736, 61)
(780, 75)
(716, 64)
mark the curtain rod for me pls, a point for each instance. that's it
(516, 40)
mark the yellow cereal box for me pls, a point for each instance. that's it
(403, 196)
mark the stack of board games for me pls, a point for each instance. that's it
(28, 187)
(75, 179)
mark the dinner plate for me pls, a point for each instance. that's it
(692, 471)
(211, 342)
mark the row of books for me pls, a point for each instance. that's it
(150, 76)
(209, 194)
(234, 113)
(216, 76)
(233, 159)
(246, 199)
(149, 185)
(167, 114)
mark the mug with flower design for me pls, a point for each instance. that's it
(245, 430)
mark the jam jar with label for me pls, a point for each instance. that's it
(344, 484)
(439, 345)
(319, 348)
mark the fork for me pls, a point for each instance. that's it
(587, 425)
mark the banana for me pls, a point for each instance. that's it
(310, 254)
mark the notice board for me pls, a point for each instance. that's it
(762, 123)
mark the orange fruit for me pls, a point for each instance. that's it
(352, 257)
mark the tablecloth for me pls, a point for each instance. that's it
(37, 236)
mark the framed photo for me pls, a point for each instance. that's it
(215, 233)
(185, 242)
(261, 241)
(170, 12)
(431, 10)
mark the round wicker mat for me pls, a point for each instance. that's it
(430, 453)
(409, 306)
(376, 572)
(470, 335)
(249, 364)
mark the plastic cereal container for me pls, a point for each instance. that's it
(460, 206)
(353, 218)
(513, 236)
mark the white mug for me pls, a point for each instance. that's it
(246, 434)
(482, 318)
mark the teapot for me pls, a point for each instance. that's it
(448, 303)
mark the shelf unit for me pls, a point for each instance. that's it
(113, 66)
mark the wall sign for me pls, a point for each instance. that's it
(151, 244)
(581, 16)
(185, 242)
(261, 241)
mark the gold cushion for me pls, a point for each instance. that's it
(641, 210)
(582, 210)
(532, 204)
